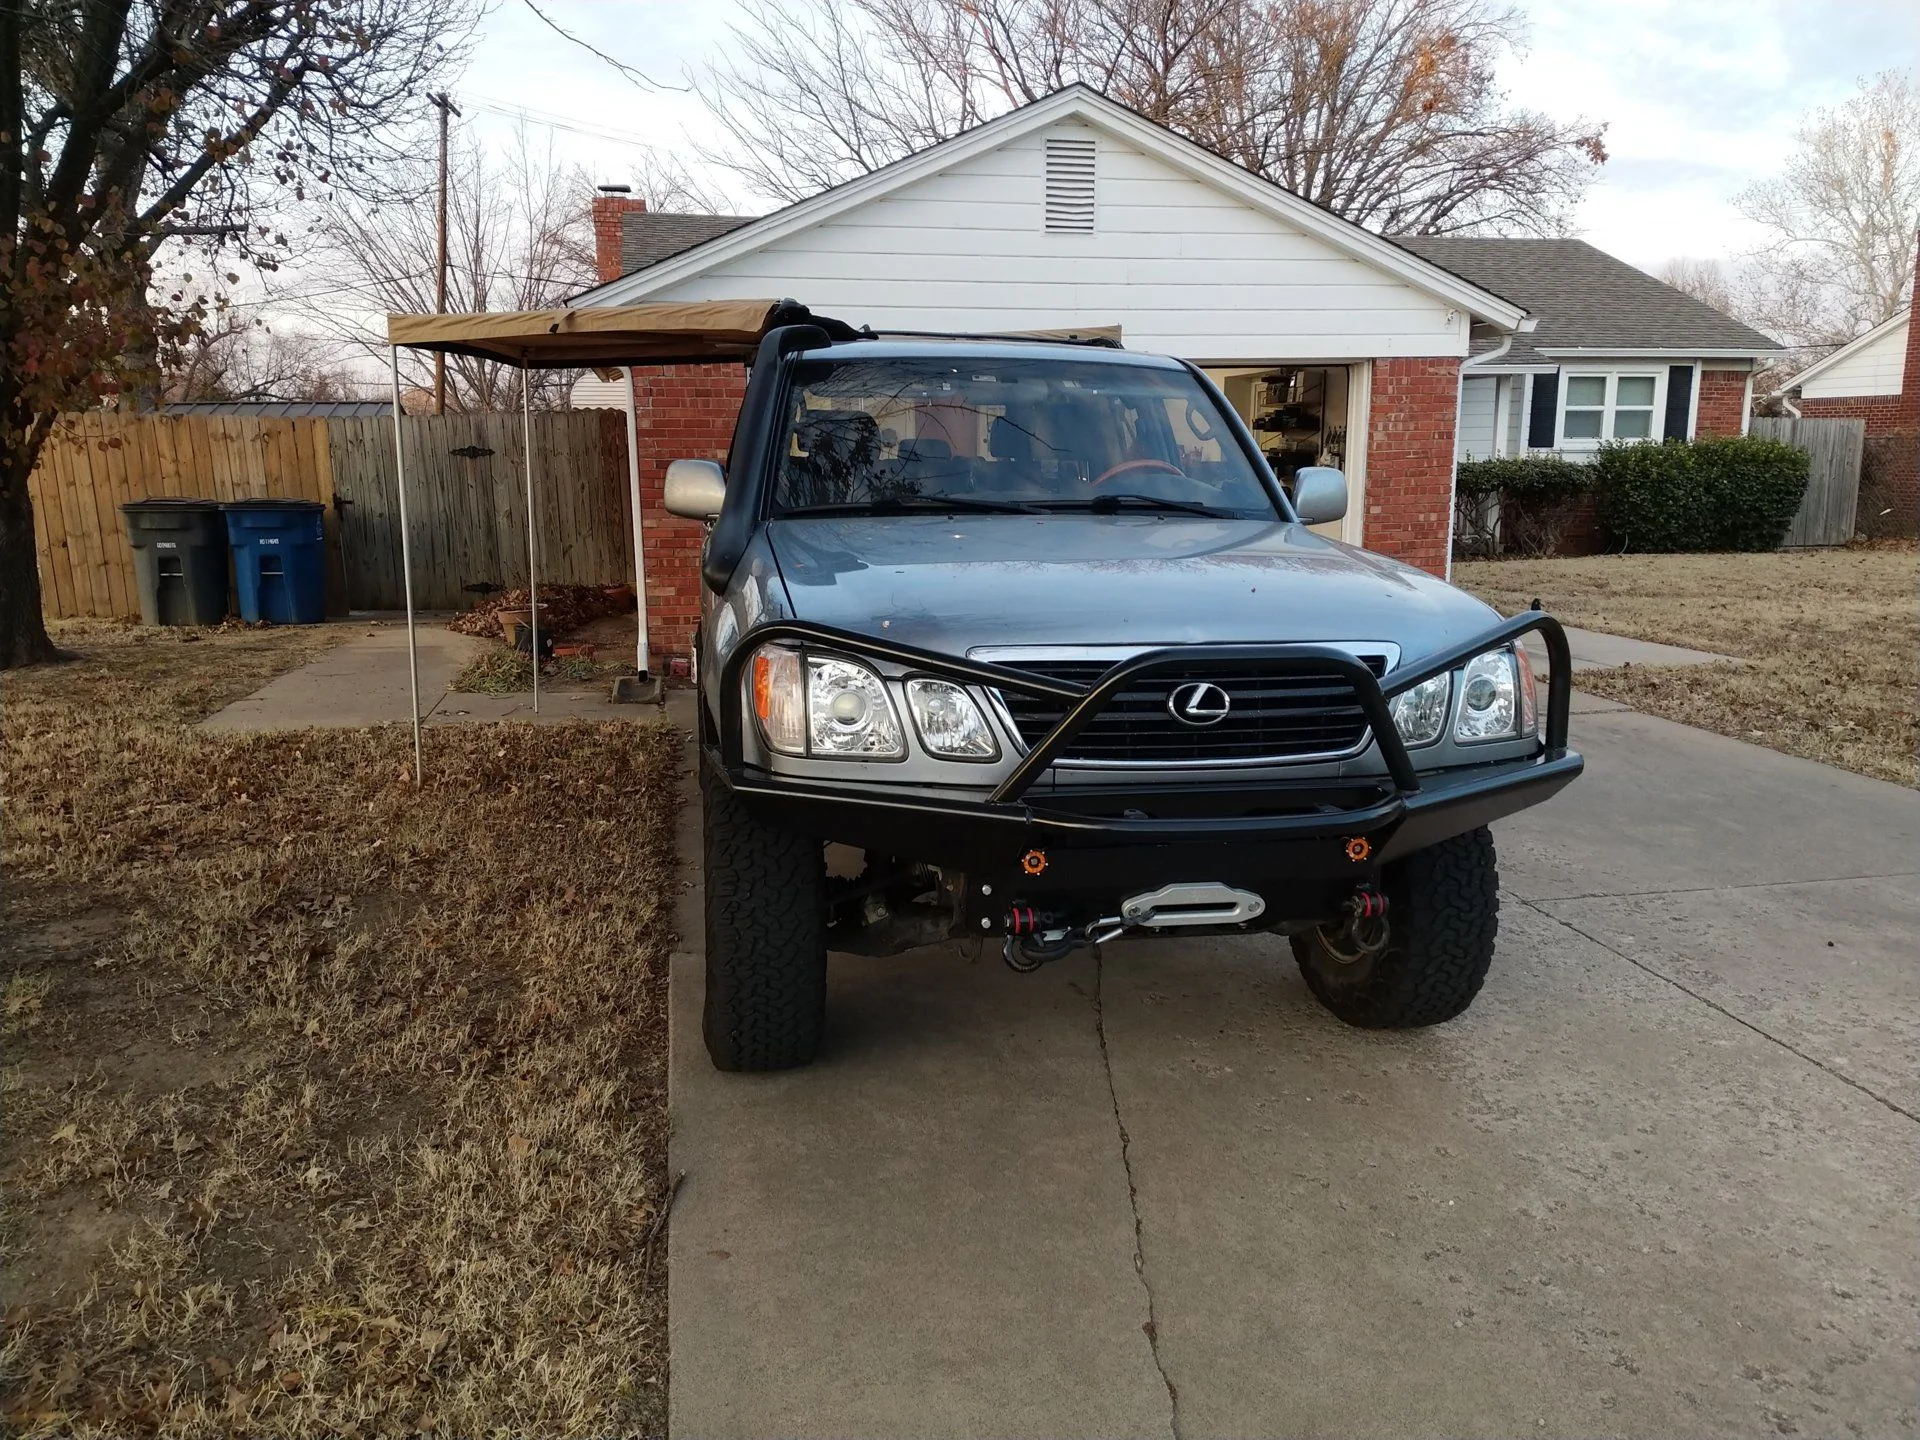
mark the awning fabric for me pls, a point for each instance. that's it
(702, 331)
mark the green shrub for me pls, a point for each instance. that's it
(1543, 477)
(1539, 496)
(1736, 492)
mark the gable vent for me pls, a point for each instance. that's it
(1070, 185)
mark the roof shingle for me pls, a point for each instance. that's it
(647, 237)
(1585, 299)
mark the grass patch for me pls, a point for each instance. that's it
(499, 671)
(1831, 641)
(495, 671)
(328, 1110)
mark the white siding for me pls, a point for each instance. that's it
(1516, 413)
(1474, 439)
(592, 393)
(1874, 369)
(1183, 267)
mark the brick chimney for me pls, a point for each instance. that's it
(609, 207)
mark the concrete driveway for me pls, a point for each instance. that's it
(1660, 1180)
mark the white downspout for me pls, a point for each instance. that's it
(639, 550)
(1525, 326)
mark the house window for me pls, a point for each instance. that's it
(1608, 406)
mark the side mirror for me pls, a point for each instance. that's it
(1319, 494)
(695, 489)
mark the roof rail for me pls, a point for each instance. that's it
(1099, 337)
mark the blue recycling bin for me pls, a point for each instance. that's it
(279, 560)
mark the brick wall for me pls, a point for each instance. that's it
(1410, 459)
(682, 412)
(1723, 402)
(1884, 414)
(1890, 485)
(607, 213)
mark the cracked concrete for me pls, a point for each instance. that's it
(1658, 1181)
(1152, 1327)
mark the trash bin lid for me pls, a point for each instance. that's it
(167, 505)
(269, 504)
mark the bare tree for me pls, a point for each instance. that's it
(1705, 280)
(1843, 212)
(520, 237)
(664, 181)
(1384, 111)
(239, 356)
(137, 123)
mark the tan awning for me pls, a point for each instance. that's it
(710, 330)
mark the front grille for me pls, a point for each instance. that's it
(1275, 715)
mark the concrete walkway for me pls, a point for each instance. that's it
(1659, 1180)
(1593, 650)
(364, 682)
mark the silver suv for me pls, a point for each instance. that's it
(1026, 641)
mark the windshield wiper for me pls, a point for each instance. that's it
(928, 504)
(1109, 504)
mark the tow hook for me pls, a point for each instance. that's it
(1362, 930)
(1035, 937)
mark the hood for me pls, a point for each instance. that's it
(954, 584)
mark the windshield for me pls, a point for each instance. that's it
(1016, 434)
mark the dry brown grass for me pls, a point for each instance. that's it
(333, 1107)
(1831, 641)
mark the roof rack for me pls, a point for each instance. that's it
(1099, 337)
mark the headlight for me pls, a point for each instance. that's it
(842, 709)
(1491, 703)
(1420, 714)
(950, 724)
(779, 699)
(848, 712)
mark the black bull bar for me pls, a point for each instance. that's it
(1310, 827)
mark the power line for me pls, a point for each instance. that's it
(548, 121)
(645, 82)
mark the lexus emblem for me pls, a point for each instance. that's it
(1200, 703)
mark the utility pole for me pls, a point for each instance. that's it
(444, 105)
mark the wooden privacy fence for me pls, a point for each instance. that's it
(465, 491)
(466, 498)
(1827, 511)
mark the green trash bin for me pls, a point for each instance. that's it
(180, 557)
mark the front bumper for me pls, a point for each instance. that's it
(1301, 844)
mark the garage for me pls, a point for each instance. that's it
(1338, 346)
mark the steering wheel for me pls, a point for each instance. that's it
(1126, 465)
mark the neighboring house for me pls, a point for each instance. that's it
(1338, 346)
(1614, 353)
(1874, 377)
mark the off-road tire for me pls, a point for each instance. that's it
(1443, 906)
(766, 903)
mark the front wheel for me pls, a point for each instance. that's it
(766, 904)
(1443, 911)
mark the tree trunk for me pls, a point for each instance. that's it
(23, 631)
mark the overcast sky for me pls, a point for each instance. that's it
(1699, 96)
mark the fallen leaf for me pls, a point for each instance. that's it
(219, 1367)
(69, 1133)
(519, 1147)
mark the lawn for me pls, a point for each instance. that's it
(1830, 641)
(333, 1106)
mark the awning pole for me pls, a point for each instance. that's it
(406, 560)
(533, 540)
(639, 550)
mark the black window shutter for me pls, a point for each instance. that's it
(1679, 400)
(1546, 402)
